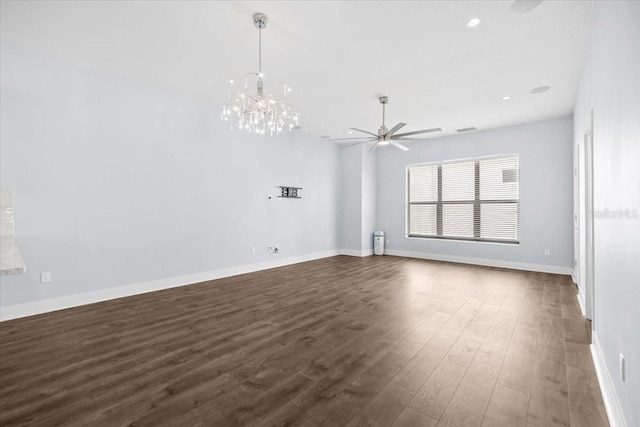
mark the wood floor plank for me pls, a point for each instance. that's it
(366, 341)
(412, 418)
(422, 365)
(385, 408)
(434, 396)
(346, 405)
(508, 407)
(498, 338)
(575, 330)
(585, 403)
(549, 403)
(579, 355)
(470, 400)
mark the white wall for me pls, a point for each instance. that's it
(117, 183)
(369, 193)
(610, 86)
(358, 199)
(546, 201)
(350, 182)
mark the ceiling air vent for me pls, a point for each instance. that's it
(466, 129)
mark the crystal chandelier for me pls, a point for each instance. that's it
(255, 111)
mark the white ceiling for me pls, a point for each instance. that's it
(339, 56)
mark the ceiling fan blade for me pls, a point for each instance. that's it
(366, 138)
(374, 146)
(417, 132)
(396, 128)
(356, 143)
(398, 145)
(365, 131)
(411, 139)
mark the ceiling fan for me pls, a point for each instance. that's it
(386, 136)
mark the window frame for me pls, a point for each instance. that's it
(477, 202)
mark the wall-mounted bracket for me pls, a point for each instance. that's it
(290, 192)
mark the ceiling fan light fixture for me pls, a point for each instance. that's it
(256, 112)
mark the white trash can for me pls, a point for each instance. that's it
(378, 243)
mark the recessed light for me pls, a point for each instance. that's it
(350, 131)
(540, 89)
(524, 6)
(506, 98)
(473, 22)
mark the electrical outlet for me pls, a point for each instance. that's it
(621, 366)
(547, 252)
(45, 277)
(276, 248)
(253, 251)
(270, 248)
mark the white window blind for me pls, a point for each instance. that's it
(477, 199)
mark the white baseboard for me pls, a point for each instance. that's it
(353, 252)
(607, 388)
(581, 302)
(556, 269)
(16, 311)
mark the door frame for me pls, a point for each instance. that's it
(589, 245)
(577, 230)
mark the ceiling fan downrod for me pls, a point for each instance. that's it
(382, 132)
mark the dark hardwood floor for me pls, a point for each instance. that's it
(340, 341)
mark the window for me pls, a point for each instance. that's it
(477, 199)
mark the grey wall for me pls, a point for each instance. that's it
(610, 85)
(117, 183)
(546, 194)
